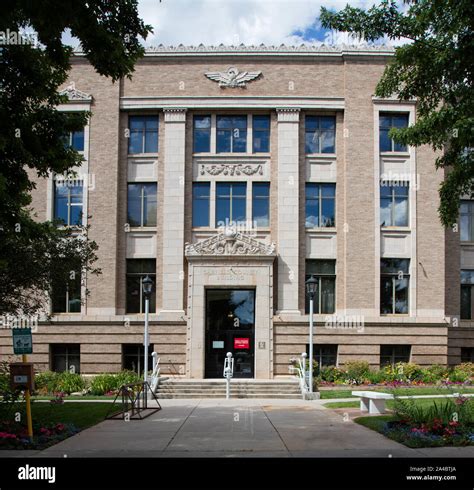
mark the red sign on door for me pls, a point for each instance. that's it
(241, 343)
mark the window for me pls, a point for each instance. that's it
(75, 140)
(261, 134)
(320, 205)
(387, 121)
(467, 284)
(261, 204)
(324, 355)
(467, 221)
(231, 134)
(325, 272)
(394, 284)
(68, 202)
(65, 357)
(66, 298)
(393, 205)
(202, 134)
(143, 134)
(133, 357)
(391, 354)
(137, 270)
(201, 196)
(320, 134)
(230, 203)
(141, 205)
(467, 354)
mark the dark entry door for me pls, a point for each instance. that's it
(230, 327)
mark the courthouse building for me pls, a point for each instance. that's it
(229, 175)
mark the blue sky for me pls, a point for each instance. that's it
(192, 22)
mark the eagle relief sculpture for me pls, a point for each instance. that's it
(232, 77)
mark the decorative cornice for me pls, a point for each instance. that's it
(319, 49)
(230, 243)
(75, 95)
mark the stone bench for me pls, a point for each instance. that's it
(371, 401)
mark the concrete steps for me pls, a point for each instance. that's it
(184, 388)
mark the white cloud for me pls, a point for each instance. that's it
(232, 21)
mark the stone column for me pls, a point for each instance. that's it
(288, 210)
(172, 188)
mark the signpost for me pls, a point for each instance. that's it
(23, 344)
(22, 341)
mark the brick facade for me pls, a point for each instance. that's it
(171, 84)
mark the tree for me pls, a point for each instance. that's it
(33, 255)
(436, 67)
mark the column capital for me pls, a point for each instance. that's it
(175, 114)
(288, 114)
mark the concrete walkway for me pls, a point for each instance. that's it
(237, 428)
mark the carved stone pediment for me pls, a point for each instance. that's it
(230, 243)
(73, 94)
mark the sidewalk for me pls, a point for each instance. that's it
(237, 428)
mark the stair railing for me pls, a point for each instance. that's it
(155, 376)
(300, 369)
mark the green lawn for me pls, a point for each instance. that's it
(82, 415)
(424, 402)
(347, 393)
(79, 415)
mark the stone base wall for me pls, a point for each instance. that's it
(428, 342)
(459, 337)
(101, 345)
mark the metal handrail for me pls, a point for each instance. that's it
(155, 375)
(301, 373)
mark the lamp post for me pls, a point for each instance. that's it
(311, 289)
(147, 286)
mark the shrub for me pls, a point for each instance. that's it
(406, 372)
(102, 384)
(462, 372)
(438, 371)
(356, 371)
(375, 377)
(331, 374)
(49, 382)
(70, 382)
(106, 383)
(126, 377)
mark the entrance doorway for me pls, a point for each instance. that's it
(230, 327)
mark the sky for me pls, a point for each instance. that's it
(233, 22)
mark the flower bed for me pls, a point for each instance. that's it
(15, 436)
(401, 374)
(443, 423)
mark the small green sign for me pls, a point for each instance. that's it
(22, 341)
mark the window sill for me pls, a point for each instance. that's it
(320, 155)
(319, 229)
(395, 228)
(395, 315)
(141, 228)
(400, 154)
(235, 155)
(142, 155)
